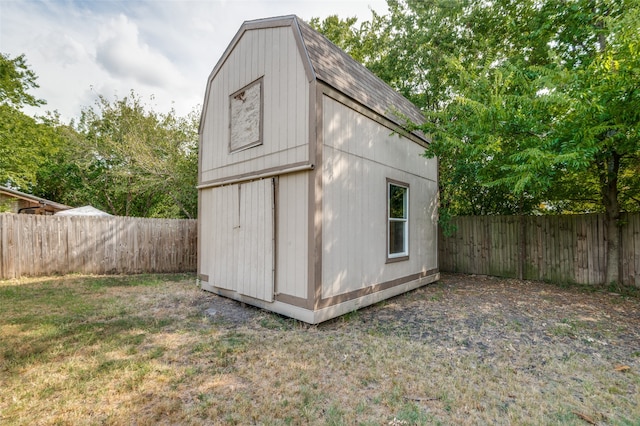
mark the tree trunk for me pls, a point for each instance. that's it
(106, 194)
(180, 205)
(129, 197)
(610, 167)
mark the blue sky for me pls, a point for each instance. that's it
(163, 50)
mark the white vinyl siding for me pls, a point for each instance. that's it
(271, 55)
(360, 157)
(293, 232)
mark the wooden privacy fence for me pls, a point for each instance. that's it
(33, 245)
(566, 248)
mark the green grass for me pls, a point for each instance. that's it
(139, 350)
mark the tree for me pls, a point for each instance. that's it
(130, 161)
(25, 142)
(603, 123)
(16, 79)
(544, 127)
(119, 156)
(367, 43)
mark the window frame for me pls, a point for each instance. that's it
(404, 255)
(233, 96)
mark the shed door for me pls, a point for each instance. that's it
(245, 238)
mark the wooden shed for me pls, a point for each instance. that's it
(312, 200)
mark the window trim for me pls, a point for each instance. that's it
(260, 140)
(404, 255)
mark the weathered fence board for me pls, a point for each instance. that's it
(34, 245)
(565, 248)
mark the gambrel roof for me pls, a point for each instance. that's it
(326, 62)
(339, 70)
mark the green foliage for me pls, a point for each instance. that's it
(120, 156)
(25, 142)
(342, 33)
(128, 160)
(6, 205)
(603, 122)
(532, 105)
(16, 79)
(366, 43)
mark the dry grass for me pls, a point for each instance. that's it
(468, 350)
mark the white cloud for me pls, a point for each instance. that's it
(123, 54)
(160, 49)
(62, 49)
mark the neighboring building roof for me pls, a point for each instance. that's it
(32, 198)
(83, 211)
(328, 63)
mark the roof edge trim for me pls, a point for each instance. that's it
(32, 198)
(304, 54)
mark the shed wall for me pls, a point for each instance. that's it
(292, 230)
(271, 53)
(359, 155)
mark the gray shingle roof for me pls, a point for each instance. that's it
(336, 68)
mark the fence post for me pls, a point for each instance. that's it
(2, 238)
(521, 247)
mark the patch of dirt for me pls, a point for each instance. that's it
(488, 316)
(230, 312)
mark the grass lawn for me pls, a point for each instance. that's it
(84, 350)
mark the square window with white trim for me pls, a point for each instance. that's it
(398, 221)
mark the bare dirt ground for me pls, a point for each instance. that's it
(527, 341)
(475, 313)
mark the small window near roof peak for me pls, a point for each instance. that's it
(246, 107)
